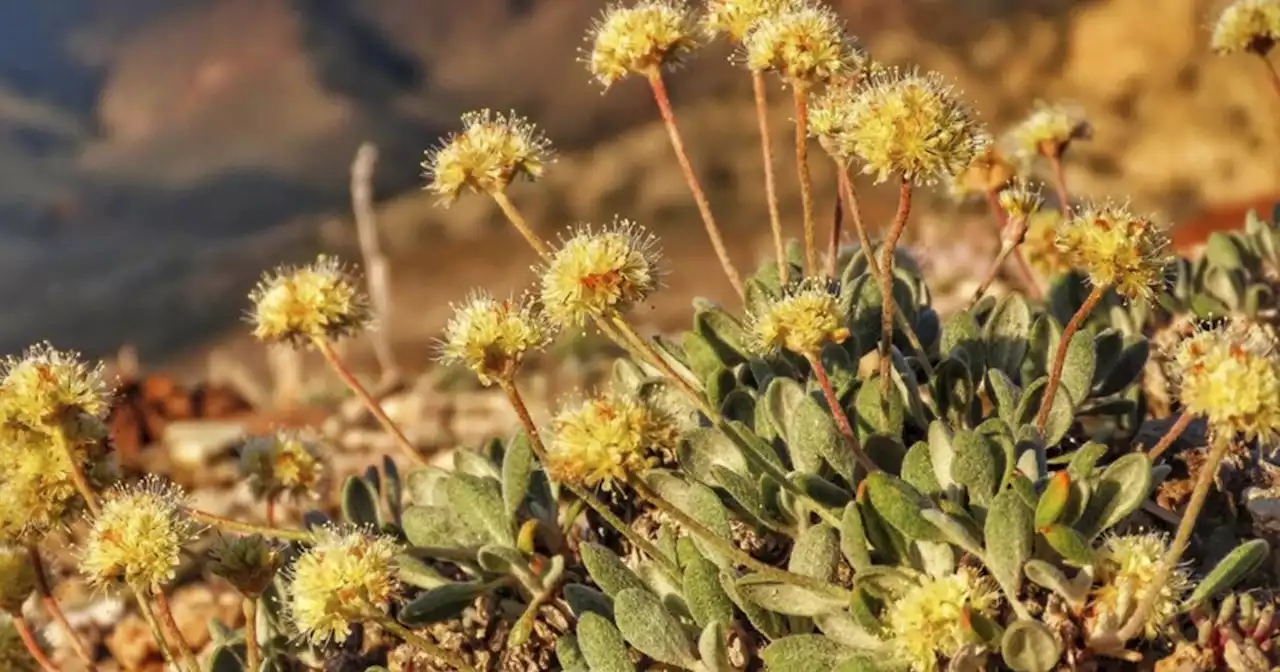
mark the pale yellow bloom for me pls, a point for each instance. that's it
(491, 152)
(640, 38)
(298, 305)
(492, 337)
(46, 386)
(286, 462)
(1231, 377)
(806, 318)
(599, 273)
(805, 44)
(1247, 25)
(137, 538)
(1127, 565)
(1040, 246)
(1117, 249)
(1049, 130)
(609, 438)
(344, 577)
(735, 18)
(929, 620)
(1020, 200)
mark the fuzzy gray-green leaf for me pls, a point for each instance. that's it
(569, 656)
(360, 503)
(478, 501)
(978, 465)
(602, 645)
(712, 652)
(1029, 646)
(1077, 369)
(438, 527)
(853, 539)
(770, 624)
(1070, 544)
(441, 603)
(701, 448)
(607, 570)
(954, 530)
(585, 599)
(812, 436)
(1010, 537)
(1004, 394)
(1006, 333)
(703, 593)
(816, 553)
(787, 598)
(900, 505)
(805, 653)
(1119, 491)
(517, 472)
(1231, 570)
(871, 415)
(647, 625)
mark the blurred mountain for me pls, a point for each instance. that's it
(156, 155)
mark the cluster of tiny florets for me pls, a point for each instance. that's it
(608, 438)
(1117, 249)
(640, 39)
(831, 121)
(599, 273)
(248, 563)
(17, 578)
(809, 316)
(491, 337)
(913, 125)
(37, 493)
(1247, 25)
(930, 620)
(283, 463)
(342, 578)
(490, 152)
(805, 44)
(1048, 131)
(1020, 200)
(1127, 567)
(1231, 376)
(138, 536)
(301, 305)
(988, 173)
(47, 387)
(735, 18)
(1040, 245)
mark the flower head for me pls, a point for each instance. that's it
(989, 172)
(492, 337)
(1231, 377)
(929, 620)
(491, 152)
(597, 273)
(317, 302)
(1247, 25)
(915, 126)
(1117, 249)
(286, 462)
(138, 537)
(608, 438)
(806, 318)
(1127, 566)
(1040, 244)
(736, 18)
(640, 38)
(1020, 200)
(1049, 131)
(805, 44)
(46, 386)
(345, 574)
(37, 493)
(17, 578)
(14, 655)
(831, 121)
(248, 563)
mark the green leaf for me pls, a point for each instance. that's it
(570, 656)
(723, 333)
(900, 505)
(602, 645)
(705, 596)
(1123, 486)
(780, 400)
(425, 486)
(647, 625)
(954, 530)
(441, 603)
(1126, 369)
(816, 553)
(501, 559)
(1061, 415)
(853, 539)
(1053, 501)
(1070, 544)
(584, 599)
(812, 438)
(1084, 459)
(1004, 394)
(517, 472)
(1048, 576)
(224, 659)
(1006, 333)
(917, 470)
(978, 465)
(1029, 646)
(1010, 538)
(701, 448)
(437, 527)
(820, 489)
(698, 502)
(942, 453)
(1077, 369)
(1231, 570)
(478, 501)
(960, 333)
(712, 651)
(769, 624)
(417, 573)
(872, 417)
(805, 653)
(360, 503)
(607, 569)
(845, 629)
(787, 598)
(472, 463)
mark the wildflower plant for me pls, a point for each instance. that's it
(1249, 27)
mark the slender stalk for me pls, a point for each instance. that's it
(1008, 245)
(252, 650)
(144, 608)
(340, 367)
(770, 187)
(1272, 75)
(166, 615)
(837, 411)
(63, 443)
(1170, 436)
(535, 441)
(241, 527)
(1030, 282)
(800, 95)
(417, 641)
(887, 306)
(517, 220)
(1060, 357)
(833, 243)
(699, 197)
(724, 546)
(55, 610)
(33, 647)
(1180, 540)
(1059, 180)
(644, 347)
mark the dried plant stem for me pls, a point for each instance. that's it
(59, 435)
(1272, 75)
(1170, 436)
(33, 647)
(166, 616)
(725, 546)
(252, 650)
(887, 306)
(770, 186)
(157, 633)
(340, 367)
(377, 269)
(517, 220)
(417, 641)
(800, 96)
(1060, 356)
(241, 527)
(535, 441)
(1059, 181)
(55, 610)
(841, 418)
(699, 197)
(1180, 540)
(1030, 282)
(1008, 245)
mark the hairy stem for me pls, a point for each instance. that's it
(833, 242)
(157, 633)
(55, 610)
(1060, 356)
(78, 477)
(1008, 245)
(699, 197)
(1170, 436)
(887, 306)
(241, 527)
(335, 362)
(252, 650)
(770, 187)
(1015, 237)
(517, 220)
(535, 441)
(800, 96)
(166, 615)
(1059, 181)
(837, 411)
(417, 641)
(33, 647)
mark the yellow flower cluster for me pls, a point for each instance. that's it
(137, 538)
(609, 438)
(317, 302)
(805, 44)
(990, 171)
(1020, 200)
(284, 463)
(806, 318)
(492, 337)
(1117, 248)
(929, 620)
(599, 273)
(491, 152)
(1040, 246)
(1048, 131)
(640, 39)
(47, 387)
(736, 18)
(1247, 25)
(1127, 566)
(342, 578)
(1231, 377)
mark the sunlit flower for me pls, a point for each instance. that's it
(298, 305)
(283, 463)
(609, 438)
(1049, 130)
(1231, 376)
(46, 386)
(137, 538)
(735, 18)
(1117, 249)
(989, 172)
(1127, 566)
(491, 152)
(805, 44)
(37, 493)
(492, 337)
(929, 620)
(640, 38)
(599, 273)
(1020, 200)
(1040, 246)
(1247, 25)
(342, 578)
(806, 318)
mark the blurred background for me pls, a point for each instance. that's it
(157, 155)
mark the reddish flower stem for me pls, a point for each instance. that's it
(886, 284)
(800, 96)
(1170, 436)
(340, 367)
(1060, 357)
(770, 186)
(1029, 280)
(33, 647)
(837, 412)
